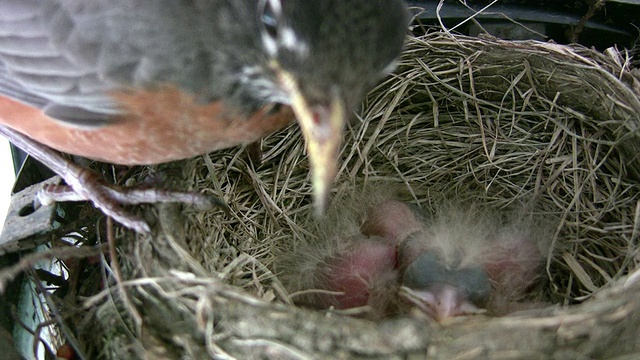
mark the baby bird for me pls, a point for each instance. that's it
(352, 272)
(468, 260)
(340, 266)
(364, 274)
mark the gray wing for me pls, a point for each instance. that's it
(64, 56)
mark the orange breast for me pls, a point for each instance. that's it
(159, 126)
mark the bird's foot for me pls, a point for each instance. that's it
(84, 184)
(110, 198)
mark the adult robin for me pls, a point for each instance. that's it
(142, 82)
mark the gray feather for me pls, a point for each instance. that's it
(202, 46)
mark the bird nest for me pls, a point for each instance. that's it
(491, 122)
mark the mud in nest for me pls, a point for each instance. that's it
(485, 121)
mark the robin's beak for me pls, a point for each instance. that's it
(322, 126)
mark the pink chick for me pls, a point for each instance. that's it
(362, 275)
(345, 273)
(428, 284)
(466, 261)
(442, 292)
(353, 261)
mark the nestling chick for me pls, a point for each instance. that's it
(354, 271)
(363, 274)
(466, 260)
(428, 282)
(344, 267)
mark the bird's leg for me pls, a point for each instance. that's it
(129, 196)
(84, 184)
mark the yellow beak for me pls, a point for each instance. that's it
(322, 127)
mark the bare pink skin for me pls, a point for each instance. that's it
(393, 220)
(513, 269)
(364, 275)
(516, 263)
(511, 262)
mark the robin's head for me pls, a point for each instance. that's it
(326, 54)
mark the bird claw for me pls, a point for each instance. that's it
(97, 194)
(108, 198)
(85, 185)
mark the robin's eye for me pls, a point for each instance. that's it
(269, 17)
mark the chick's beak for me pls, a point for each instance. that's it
(322, 126)
(441, 303)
